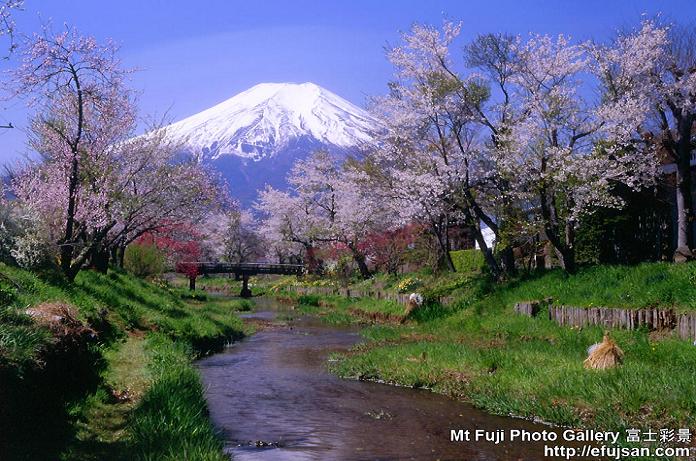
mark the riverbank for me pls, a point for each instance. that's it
(126, 389)
(480, 351)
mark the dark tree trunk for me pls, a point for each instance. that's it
(67, 242)
(685, 210)
(440, 231)
(564, 249)
(99, 260)
(67, 249)
(507, 256)
(121, 255)
(507, 259)
(246, 292)
(359, 259)
(113, 255)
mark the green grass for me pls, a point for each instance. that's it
(90, 424)
(101, 422)
(479, 350)
(171, 421)
(644, 285)
(340, 310)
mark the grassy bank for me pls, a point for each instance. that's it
(480, 351)
(171, 421)
(127, 392)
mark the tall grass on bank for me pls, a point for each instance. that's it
(171, 421)
(70, 393)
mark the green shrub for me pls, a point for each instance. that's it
(7, 296)
(468, 260)
(308, 300)
(143, 260)
(243, 305)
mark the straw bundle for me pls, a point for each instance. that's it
(62, 319)
(606, 354)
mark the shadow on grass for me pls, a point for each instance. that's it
(35, 422)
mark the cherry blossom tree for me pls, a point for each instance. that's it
(97, 187)
(649, 80)
(552, 152)
(343, 210)
(232, 235)
(430, 158)
(287, 223)
(514, 142)
(83, 109)
(550, 139)
(329, 206)
(156, 188)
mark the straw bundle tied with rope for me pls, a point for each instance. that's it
(606, 354)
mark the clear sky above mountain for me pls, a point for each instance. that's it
(193, 55)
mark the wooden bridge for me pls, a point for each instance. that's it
(242, 271)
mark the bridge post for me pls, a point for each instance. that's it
(192, 283)
(246, 292)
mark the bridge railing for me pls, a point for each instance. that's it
(205, 267)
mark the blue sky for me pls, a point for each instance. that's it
(194, 54)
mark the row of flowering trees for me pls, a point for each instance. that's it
(96, 187)
(524, 136)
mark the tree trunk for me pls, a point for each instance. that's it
(492, 264)
(121, 255)
(71, 272)
(443, 244)
(246, 292)
(487, 254)
(507, 259)
(684, 212)
(99, 259)
(564, 249)
(66, 249)
(567, 258)
(312, 262)
(449, 263)
(507, 256)
(113, 255)
(359, 259)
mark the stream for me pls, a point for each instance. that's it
(272, 398)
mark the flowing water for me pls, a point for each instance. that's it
(272, 398)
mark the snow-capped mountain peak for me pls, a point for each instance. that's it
(269, 117)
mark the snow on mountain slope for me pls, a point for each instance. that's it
(269, 118)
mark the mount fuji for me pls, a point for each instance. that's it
(254, 137)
